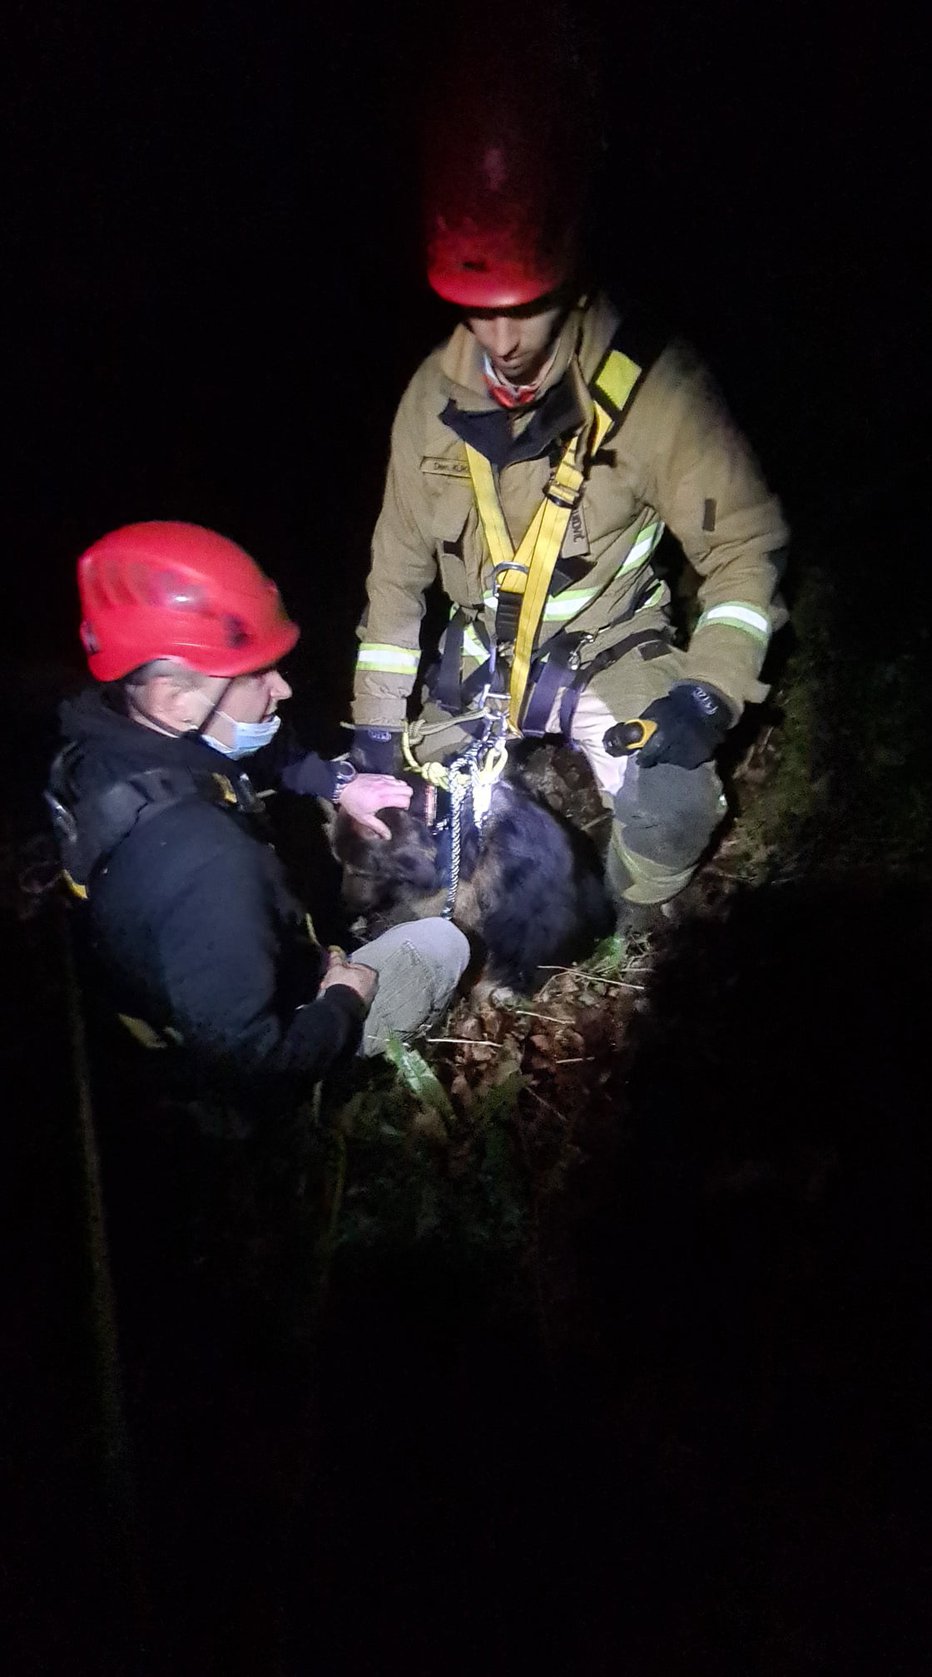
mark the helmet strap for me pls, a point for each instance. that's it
(198, 731)
(161, 727)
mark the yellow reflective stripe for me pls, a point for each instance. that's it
(652, 596)
(643, 547)
(472, 645)
(565, 605)
(389, 660)
(735, 614)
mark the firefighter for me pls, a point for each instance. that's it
(537, 457)
(193, 925)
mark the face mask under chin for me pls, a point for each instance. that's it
(247, 736)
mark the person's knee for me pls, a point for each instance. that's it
(668, 814)
(419, 966)
(442, 945)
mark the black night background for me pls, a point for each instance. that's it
(214, 301)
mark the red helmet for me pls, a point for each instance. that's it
(165, 590)
(505, 179)
(500, 261)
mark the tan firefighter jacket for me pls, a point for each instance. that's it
(676, 460)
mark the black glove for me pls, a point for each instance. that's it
(690, 723)
(375, 751)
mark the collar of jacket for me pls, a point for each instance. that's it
(114, 745)
(506, 436)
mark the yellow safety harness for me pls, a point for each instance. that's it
(526, 573)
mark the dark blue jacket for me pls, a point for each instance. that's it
(190, 915)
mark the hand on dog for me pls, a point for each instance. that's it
(362, 980)
(371, 792)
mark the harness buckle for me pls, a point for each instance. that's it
(560, 497)
(248, 799)
(495, 704)
(575, 658)
(508, 565)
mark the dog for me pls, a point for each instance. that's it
(529, 893)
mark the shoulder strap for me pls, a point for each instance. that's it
(89, 831)
(636, 344)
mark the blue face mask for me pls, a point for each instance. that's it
(247, 736)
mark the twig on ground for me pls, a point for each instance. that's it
(576, 1060)
(468, 1041)
(548, 1018)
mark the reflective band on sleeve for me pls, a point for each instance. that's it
(643, 548)
(734, 614)
(388, 660)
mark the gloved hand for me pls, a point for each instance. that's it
(375, 750)
(689, 724)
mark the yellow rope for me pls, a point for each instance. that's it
(437, 774)
(494, 759)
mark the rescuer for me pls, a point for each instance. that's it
(537, 457)
(194, 928)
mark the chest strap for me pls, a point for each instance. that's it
(89, 830)
(523, 576)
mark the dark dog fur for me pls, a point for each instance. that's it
(530, 887)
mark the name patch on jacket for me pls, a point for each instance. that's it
(440, 466)
(576, 540)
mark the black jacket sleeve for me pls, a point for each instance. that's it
(310, 775)
(286, 763)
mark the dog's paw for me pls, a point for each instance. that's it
(490, 991)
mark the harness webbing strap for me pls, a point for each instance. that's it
(528, 571)
(110, 817)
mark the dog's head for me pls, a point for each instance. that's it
(382, 874)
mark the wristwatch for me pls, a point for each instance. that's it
(344, 774)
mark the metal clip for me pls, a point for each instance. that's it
(509, 565)
(62, 819)
(575, 658)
